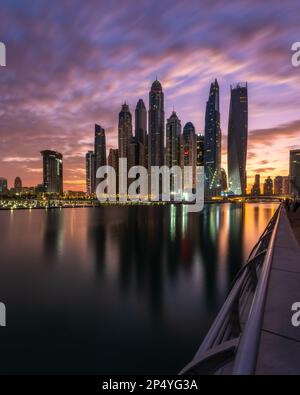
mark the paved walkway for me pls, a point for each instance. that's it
(279, 351)
(295, 223)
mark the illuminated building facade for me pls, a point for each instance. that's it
(237, 139)
(52, 171)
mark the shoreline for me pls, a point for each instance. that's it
(129, 203)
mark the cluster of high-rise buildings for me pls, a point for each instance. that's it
(17, 185)
(152, 142)
(52, 177)
(281, 185)
(144, 142)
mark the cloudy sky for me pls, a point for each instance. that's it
(71, 64)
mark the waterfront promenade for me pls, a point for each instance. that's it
(295, 223)
(279, 350)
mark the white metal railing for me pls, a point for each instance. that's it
(231, 345)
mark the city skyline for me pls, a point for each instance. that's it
(179, 149)
(53, 98)
(135, 147)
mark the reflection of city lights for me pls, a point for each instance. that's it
(184, 220)
(173, 222)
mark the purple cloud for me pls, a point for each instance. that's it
(71, 64)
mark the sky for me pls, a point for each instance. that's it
(71, 64)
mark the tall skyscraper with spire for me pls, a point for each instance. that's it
(173, 140)
(124, 130)
(141, 132)
(99, 150)
(212, 141)
(237, 139)
(156, 125)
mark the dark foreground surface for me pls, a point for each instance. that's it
(117, 290)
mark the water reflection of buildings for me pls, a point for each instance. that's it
(218, 239)
(97, 237)
(208, 248)
(235, 257)
(141, 244)
(148, 252)
(53, 234)
(179, 244)
(143, 249)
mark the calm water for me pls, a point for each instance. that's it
(117, 289)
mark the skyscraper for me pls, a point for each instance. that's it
(52, 171)
(173, 144)
(133, 152)
(268, 186)
(212, 141)
(18, 185)
(189, 150)
(200, 150)
(113, 159)
(256, 186)
(278, 185)
(189, 144)
(141, 132)
(173, 140)
(99, 151)
(286, 185)
(90, 167)
(3, 185)
(100, 147)
(223, 180)
(237, 139)
(295, 172)
(156, 125)
(141, 122)
(124, 130)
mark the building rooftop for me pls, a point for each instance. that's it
(156, 86)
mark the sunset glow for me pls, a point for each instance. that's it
(70, 67)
